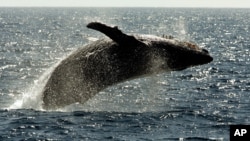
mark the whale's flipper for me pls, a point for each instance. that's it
(115, 34)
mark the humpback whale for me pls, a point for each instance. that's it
(119, 58)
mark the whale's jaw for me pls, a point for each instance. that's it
(177, 55)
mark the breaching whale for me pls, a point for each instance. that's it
(118, 58)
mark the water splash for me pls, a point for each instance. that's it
(181, 28)
(31, 98)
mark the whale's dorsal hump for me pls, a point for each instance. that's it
(115, 34)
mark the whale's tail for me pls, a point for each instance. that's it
(115, 34)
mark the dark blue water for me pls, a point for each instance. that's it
(198, 103)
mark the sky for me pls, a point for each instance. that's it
(127, 3)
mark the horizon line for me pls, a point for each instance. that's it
(123, 7)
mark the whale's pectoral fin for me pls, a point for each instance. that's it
(115, 34)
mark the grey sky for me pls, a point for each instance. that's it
(126, 3)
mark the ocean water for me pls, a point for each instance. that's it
(198, 103)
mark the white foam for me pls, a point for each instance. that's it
(31, 98)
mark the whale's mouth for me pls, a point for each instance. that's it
(171, 54)
(189, 55)
(209, 59)
(201, 55)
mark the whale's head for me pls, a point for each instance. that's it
(175, 55)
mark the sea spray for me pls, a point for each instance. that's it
(32, 97)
